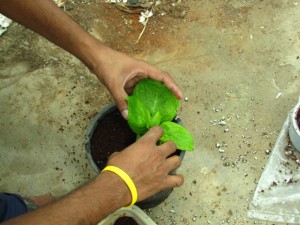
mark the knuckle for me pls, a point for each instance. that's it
(157, 129)
(181, 181)
(176, 180)
(178, 161)
(160, 154)
(172, 145)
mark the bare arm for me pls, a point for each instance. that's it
(86, 205)
(117, 71)
(148, 167)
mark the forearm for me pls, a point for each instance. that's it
(45, 18)
(84, 206)
(117, 71)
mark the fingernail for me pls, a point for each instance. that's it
(124, 113)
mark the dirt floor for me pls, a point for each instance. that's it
(236, 61)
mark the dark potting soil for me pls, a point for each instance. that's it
(112, 134)
(125, 221)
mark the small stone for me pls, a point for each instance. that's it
(222, 122)
(218, 145)
(186, 99)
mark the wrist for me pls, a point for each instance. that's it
(93, 53)
(116, 189)
(126, 178)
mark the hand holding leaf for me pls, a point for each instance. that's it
(152, 104)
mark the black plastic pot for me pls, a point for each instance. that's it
(294, 129)
(95, 160)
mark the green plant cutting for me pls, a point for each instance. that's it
(153, 104)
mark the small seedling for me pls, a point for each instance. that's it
(153, 104)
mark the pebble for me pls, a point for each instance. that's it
(221, 150)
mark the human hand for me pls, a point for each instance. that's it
(149, 165)
(117, 71)
(120, 73)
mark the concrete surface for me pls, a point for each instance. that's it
(231, 58)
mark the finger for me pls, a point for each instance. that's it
(168, 148)
(120, 100)
(153, 134)
(173, 163)
(164, 77)
(172, 85)
(174, 180)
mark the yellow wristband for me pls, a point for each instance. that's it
(124, 176)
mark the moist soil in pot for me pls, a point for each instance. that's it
(125, 221)
(112, 134)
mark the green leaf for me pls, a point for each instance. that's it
(178, 134)
(138, 116)
(155, 120)
(156, 97)
(151, 104)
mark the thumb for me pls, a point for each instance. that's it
(120, 100)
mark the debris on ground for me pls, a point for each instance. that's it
(4, 23)
(147, 8)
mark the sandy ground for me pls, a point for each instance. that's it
(231, 58)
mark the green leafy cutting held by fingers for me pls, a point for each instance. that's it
(153, 104)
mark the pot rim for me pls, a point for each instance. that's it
(295, 117)
(294, 130)
(93, 124)
(147, 203)
(134, 212)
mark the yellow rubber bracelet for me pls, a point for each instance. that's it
(124, 176)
